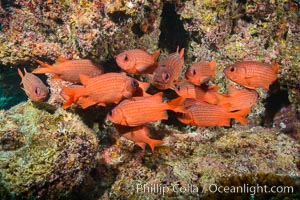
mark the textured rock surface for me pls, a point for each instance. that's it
(43, 154)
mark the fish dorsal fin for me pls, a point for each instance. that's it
(20, 73)
(232, 90)
(86, 102)
(60, 59)
(84, 79)
(177, 50)
(275, 67)
(156, 55)
(181, 54)
(42, 64)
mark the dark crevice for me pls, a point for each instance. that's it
(118, 16)
(172, 30)
(276, 100)
(137, 30)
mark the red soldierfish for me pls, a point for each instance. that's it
(238, 99)
(139, 135)
(201, 72)
(34, 87)
(140, 110)
(187, 90)
(253, 74)
(69, 70)
(101, 90)
(203, 114)
(137, 61)
(168, 70)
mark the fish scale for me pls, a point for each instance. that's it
(209, 115)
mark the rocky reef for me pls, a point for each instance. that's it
(43, 154)
(50, 152)
(189, 164)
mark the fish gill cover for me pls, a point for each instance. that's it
(48, 152)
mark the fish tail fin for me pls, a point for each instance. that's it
(212, 65)
(44, 67)
(275, 67)
(176, 104)
(151, 142)
(156, 54)
(70, 99)
(241, 115)
(141, 144)
(154, 143)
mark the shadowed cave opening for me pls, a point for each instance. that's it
(172, 33)
(277, 99)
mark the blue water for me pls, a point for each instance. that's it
(10, 88)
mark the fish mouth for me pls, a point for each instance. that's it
(159, 85)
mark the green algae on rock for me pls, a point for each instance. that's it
(43, 154)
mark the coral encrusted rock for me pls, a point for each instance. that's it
(43, 154)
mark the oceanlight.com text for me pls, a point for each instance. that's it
(250, 189)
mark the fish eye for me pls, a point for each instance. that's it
(166, 77)
(178, 87)
(135, 84)
(232, 69)
(126, 58)
(194, 72)
(37, 91)
(110, 113)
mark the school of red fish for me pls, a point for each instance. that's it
(198, 104)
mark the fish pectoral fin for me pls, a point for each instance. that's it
(87, 103)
